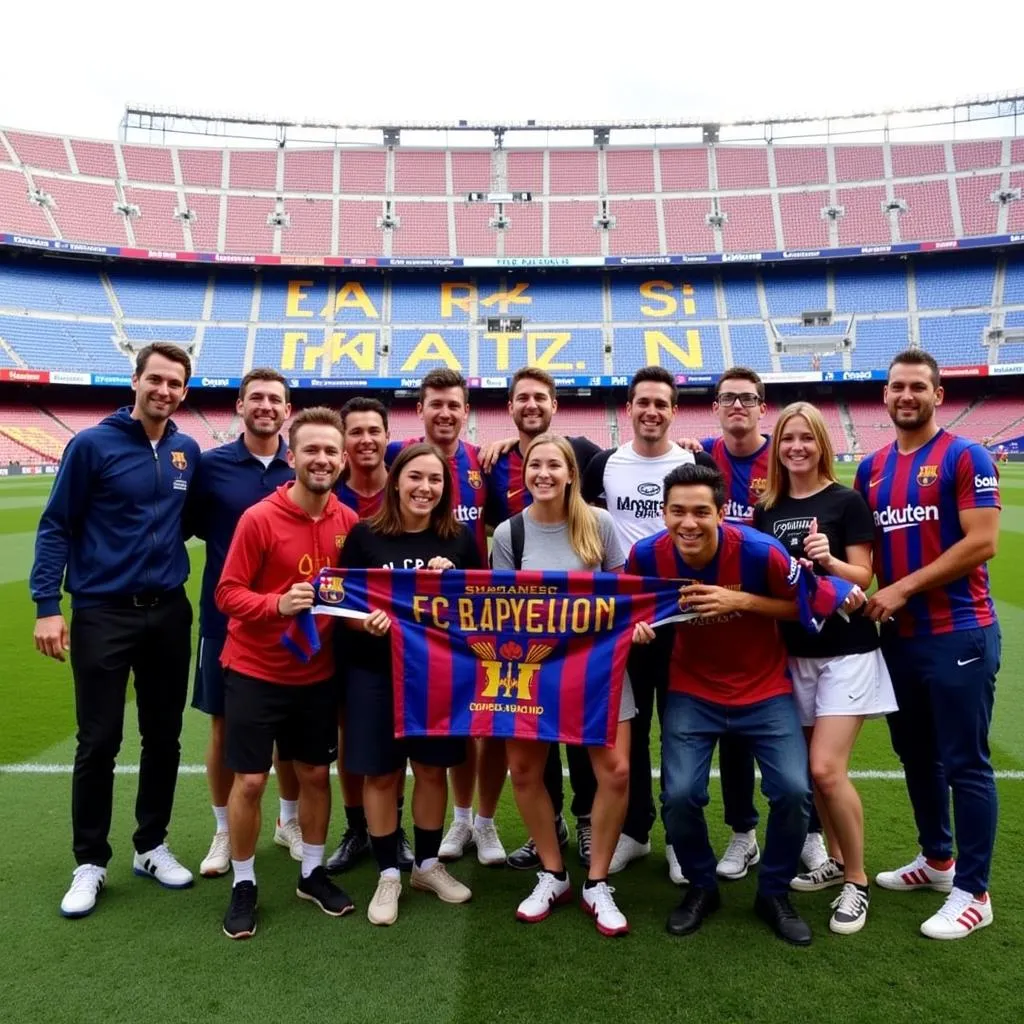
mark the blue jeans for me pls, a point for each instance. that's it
(772, 728)
(945, 687)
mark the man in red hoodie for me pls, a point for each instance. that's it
(279, 546)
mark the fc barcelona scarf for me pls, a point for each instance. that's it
(521, 655)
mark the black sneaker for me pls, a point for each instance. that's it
(781, 916)
(354, 846)
(405, 854)
(240, 920)
(319, 889)
(525, 858)
(563, 832)
(583, 839)
(851, 909)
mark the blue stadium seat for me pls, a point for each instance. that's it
(877, 341)
(53, 289)
(791, 293)
(955, 340)
(749, 344)
(954, 286)
(741, 295)
(639, 346)
(164, 297)
(664, 295)
(581, 353)
(871, 290)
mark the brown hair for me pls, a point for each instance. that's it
(778, 475)
(175, 353)
(918, 357)
(440, 379)
(655, 374)
(317, 415)
(263, 373)
(741, 373)
(388, 519)
(532, 373)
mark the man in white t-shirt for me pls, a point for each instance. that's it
(628, 481)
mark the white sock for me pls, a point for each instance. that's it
(482, 822)
(427, 864)
(289, 810)
(245, 870)
(312, 858)
(393, 874)
(464, 814)
(220, 814)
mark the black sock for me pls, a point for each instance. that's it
(355, 818)
(401, 806)
(839, 864)
(560, 875)
(866, 889)
(591, 882)
(385, 849)
(426, 843)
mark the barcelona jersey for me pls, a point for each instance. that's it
(916, 500)
(756, 667)
(746, 477)
(469, 488)
(364, 507)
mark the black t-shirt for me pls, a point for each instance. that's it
(365, 549)
(844, 517)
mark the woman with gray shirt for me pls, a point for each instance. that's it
(559, 531)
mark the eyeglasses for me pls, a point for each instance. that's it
(747, 399)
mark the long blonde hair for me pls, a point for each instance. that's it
(778, 475)
(584, 536)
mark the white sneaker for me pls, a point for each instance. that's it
(86, 884)
(218, 858)
(627, 849)
(675, 872)
(740, 855)
(547, 894)
(850, 909)
(823, 877)
(383, 908)
(289, 835)
(489, 850)
(918, 874)
(814, 853)
(597, 901)
(961, 914)
(457, 840)
(161, 864)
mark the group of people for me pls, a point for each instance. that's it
(736, 518)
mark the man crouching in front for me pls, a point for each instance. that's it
(279, 546)
(728, 676)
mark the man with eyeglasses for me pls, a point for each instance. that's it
(743, 455)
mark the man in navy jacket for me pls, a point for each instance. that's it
(113, 524)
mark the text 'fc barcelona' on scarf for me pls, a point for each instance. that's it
(525, 655)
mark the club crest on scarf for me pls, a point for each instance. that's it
(509, 673)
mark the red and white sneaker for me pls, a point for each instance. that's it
(548, 893)
(598, 902)
(918, 874)
(961, 914)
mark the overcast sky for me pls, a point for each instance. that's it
(74, 68)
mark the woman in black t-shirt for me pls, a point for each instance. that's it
(414, 529)
(839, 676)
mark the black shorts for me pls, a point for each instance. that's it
(370, 747)
(208, 685)
(301, 720)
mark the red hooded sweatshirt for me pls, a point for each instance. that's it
(277, 544)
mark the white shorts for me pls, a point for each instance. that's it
(850, 684)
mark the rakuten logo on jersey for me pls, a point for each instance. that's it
(468, 513)
(985, 483)
(737, 512)
(890, 518)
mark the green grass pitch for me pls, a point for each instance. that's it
(153, 955)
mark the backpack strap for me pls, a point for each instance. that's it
(518, 530)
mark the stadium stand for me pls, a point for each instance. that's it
(771, 196)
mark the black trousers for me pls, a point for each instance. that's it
(108, 643)
(581, 779)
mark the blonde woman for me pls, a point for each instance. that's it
(839, 675)
(561, 532)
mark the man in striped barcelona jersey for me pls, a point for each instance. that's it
(444, 408)
(935, 501)
(728, 674)
(743, 454)
(532, 403)
(361, 488)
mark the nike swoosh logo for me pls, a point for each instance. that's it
(967, 662)
(512, 494)
(875, 483)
